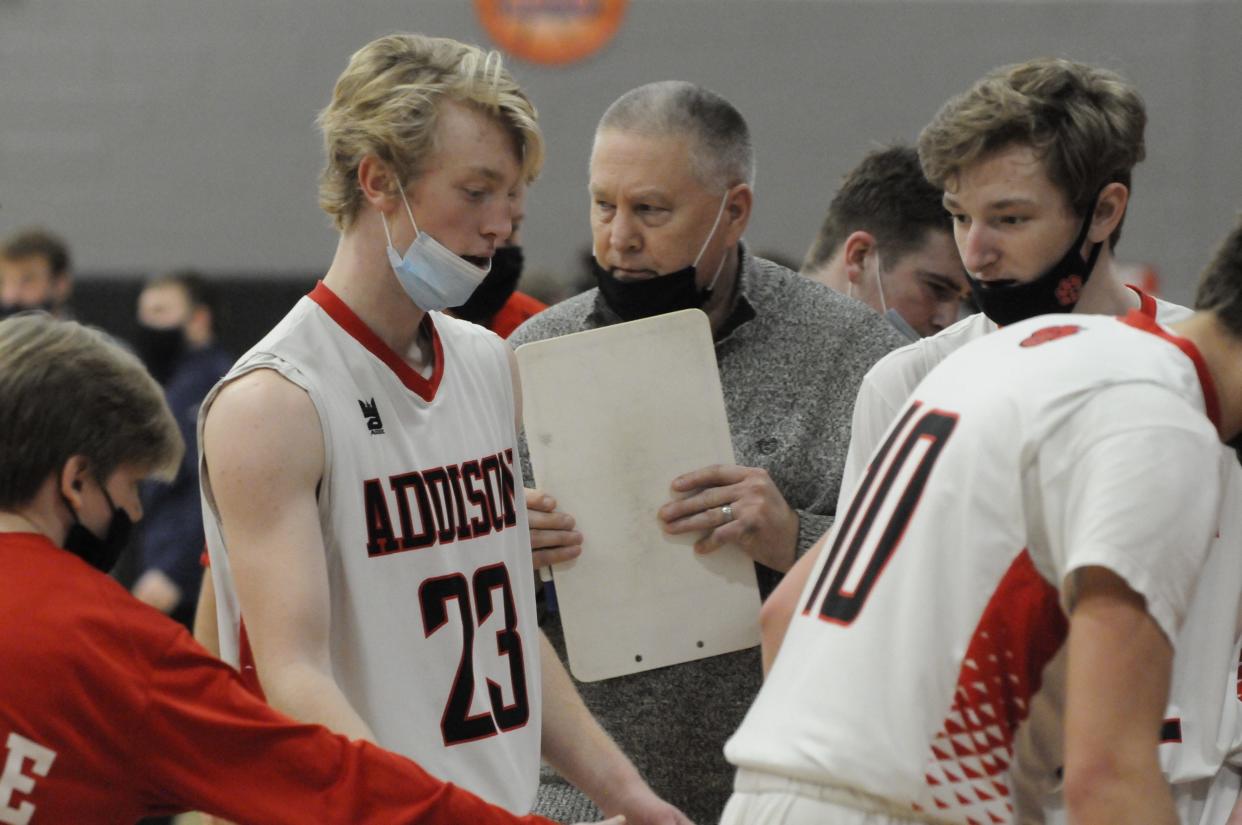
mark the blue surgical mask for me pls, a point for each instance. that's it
(432, 275)
(902, 325)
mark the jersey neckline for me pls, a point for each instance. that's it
(357, 329)
(1147, 304)
(1211, 402)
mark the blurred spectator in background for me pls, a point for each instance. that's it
(34, 273)
(888, 241)
(176, 340)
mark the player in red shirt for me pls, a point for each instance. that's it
(109, 711)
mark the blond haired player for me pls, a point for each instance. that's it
(367, 545)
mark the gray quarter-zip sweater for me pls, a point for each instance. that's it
(791, 356)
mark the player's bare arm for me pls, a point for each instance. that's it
(737, 506)
(778, 610)
(1118, 683)
(264, 454)
(583, 752)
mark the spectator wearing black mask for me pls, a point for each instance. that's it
(34, 273)
(176, 340)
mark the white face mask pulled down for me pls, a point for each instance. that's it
(891, 315)
(432, 275)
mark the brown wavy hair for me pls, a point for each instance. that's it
(1085, 123)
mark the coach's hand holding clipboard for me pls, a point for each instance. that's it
(613, 416)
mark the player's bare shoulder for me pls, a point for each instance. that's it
(260, 421)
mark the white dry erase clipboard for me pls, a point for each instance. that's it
(612, 416)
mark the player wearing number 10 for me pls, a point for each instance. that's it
(369, 556)
(1068, 499)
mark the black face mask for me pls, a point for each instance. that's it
(498, 286)
(1057, 290)
(632, 300)
(160, 350)
(675, 291)
(100, 553)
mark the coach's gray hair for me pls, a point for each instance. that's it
(724, 156)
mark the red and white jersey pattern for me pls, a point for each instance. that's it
(434, 637)
(1204, 721)
(920, 642)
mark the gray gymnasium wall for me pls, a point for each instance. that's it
(156, 133)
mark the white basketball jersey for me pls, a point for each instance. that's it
(920, 641)
(887, 385)
(434, 639)
(1204, 719)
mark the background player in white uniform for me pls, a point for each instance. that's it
(358, 463)
(1036, 160)
(1083, 475)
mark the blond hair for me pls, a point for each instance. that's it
(386, 103)
(68, 390)
(1085, 123)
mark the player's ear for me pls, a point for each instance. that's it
(378, 183)
(856, 248)
(72, 479)
(1110, 208)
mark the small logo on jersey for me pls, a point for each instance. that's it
(1068, 290)
(1043, 336)
(370, 411)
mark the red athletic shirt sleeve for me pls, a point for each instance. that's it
(517, 309)
(230, 754)
(110, 712)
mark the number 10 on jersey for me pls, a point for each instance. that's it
(864, 541)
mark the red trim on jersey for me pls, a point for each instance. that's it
(1211, 402)
(1147, 304)
(360, 332)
